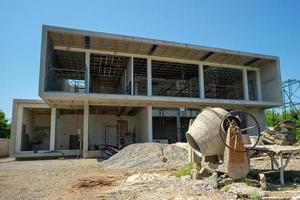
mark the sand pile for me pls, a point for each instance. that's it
(148, 156)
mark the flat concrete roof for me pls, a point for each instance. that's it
(76, 38)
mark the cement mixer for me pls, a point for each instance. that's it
(221, 138)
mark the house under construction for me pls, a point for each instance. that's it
(102, 88)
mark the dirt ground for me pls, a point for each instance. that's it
(86, 179)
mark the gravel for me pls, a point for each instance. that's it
(144, 186)
(148, 156)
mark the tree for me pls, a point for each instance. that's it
(4, 126)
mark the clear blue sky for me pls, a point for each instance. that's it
(260, 26)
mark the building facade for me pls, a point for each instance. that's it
(114, 89)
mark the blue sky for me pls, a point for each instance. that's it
(260, 26)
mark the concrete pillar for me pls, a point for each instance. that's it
(149, 77)
(178, 125)
(245, 84)
(85, 129)
(131, 76)
(149, 119)
(258, 84)
(87, 72)
(52, 129)
(201, 82)
(19, 128)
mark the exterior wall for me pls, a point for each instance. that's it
(4, 147)
(270, 82)
(67, 125)
(97, 125)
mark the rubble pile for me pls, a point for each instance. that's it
(148, 156)
(281, 134)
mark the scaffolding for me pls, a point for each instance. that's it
(291, 100)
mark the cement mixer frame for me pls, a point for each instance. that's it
(233, 115)
(212, 131)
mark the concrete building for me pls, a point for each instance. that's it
(104, 87)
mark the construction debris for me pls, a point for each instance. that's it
(281, 134)
(148, 156)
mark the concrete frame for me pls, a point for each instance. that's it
(52, 99)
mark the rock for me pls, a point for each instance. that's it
(242, 190)
(263, 182)
(163, 158)
(213, 180)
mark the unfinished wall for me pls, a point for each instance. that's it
(65, 71)
(67, 125)
(35, 129)
(174, 79)
(271, 82)
(97, 124)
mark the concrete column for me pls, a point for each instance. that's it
(87, 72)
(149, 77)
(52, 129)
(85, 129)
(19, 128)
(149, 119)
(131, 76)
(258, 84)
(245, 84)
(201, 82)
(178, 125)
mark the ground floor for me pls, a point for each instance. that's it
(73, 129)
(86, 179)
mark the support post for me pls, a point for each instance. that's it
(281, 170)
(245, 84)
(258, 85)
(52, 129)
(149, 119)
(201, 82)
(149, 77)
(85, 129)
(178, 124)
(19, 128)
(131, 76)
(87, 72)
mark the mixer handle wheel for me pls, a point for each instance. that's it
(234, 115)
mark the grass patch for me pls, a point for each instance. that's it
(186, 170)
(251, 182)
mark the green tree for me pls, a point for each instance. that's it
(4, 126)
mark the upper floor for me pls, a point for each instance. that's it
(79, 65)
